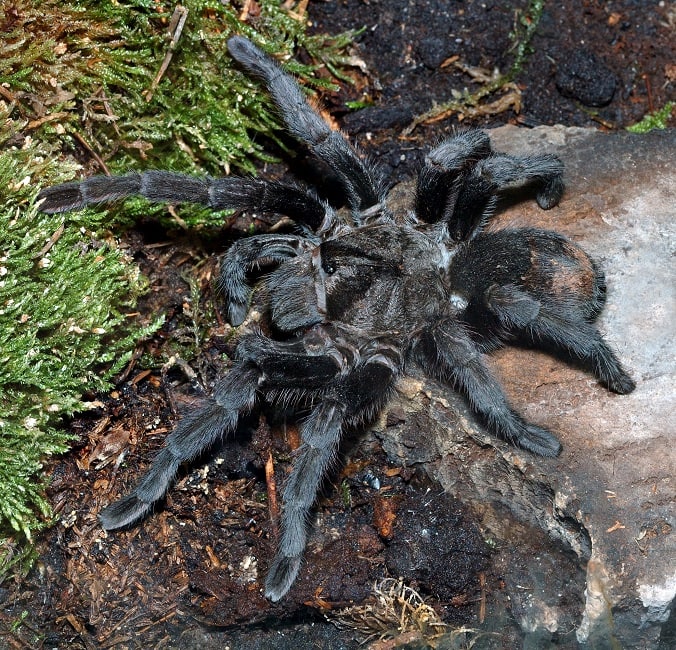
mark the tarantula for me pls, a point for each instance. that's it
(358, 297)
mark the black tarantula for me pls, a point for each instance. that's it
(354, 300)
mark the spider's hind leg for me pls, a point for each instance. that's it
(513, 307)
(264, 364)
(581, 342)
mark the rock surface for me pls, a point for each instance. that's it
(586, 539)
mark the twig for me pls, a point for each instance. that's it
(175, 29)
(482, 601)
(299, 11)
(8, 95)
(166, 617)
(646, 79)
(273, 506)
(175, 360)
(244, 14)
(50, 242)
(93, 153)
(136, 355)
(106, 105)
(52, 117)
(470, 104)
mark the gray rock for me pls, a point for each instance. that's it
(586, 540)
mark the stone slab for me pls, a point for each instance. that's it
(606, 577)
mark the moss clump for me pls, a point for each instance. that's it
(62, 295)
(134, 85)
(657, 120)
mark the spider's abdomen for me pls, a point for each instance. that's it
(509, 278)
(560, 271)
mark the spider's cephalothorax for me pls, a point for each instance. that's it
(355, 300)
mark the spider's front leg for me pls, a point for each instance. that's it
(544, 172)
(462, 178)
(264, 363)
(229, 193)
(449, 352)
(440, 178)
(352, 397)
(363, 186)
(246, 255)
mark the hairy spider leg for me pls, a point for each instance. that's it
(231, 192)
(441, 175)
(461, 178)
(543, 172)
(557, 331)
(469, 209)
(196, 431)
(354, 397)
(514, 308)
(364, 188)
(281, 369)
(580, 341)
(448, 351)
(265, 363)
(321, 435)
(269, 197)
(246, 255)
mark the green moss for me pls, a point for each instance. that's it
(96, 67)
(657, 120)
(62, 294)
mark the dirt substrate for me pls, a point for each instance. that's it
(597, 64)
(191, 575)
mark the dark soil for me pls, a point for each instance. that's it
(593, 64)
(190, 575)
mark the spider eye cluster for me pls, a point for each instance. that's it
(329, 267)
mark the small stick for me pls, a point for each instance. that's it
(7, 95)
(175, 29)
(244, 14)
(93, 153)
(273, 505)
(50, 242)
(651, 107)
(109, 111)
(482, 601)
(299, 12)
